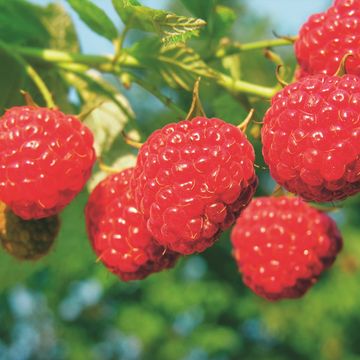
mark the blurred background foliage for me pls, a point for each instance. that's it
(67, 306)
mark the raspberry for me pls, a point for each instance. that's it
(300, 73)
(192, 179)
(282, 245)
(118, 233)
(311, 137)
(27, 239)
(45, 159)
(326, 37)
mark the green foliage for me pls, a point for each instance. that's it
(59, 26)
(223, 19)
(20, 23)
(95, 18)
(171, 27)
(178, 65)
(202, 8)
(46, 27)
(12, 77)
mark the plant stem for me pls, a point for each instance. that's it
(39, 82)
(104, 63)
(235, 47)
(239, 86)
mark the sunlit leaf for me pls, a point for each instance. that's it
(178, 65)
(95, 18)
(171, 27)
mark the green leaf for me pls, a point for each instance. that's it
(107, 122)
(223, 18)
(178, 65)
(12, 76)
(20, 23)
(229, 109)
(62, 36)
(109, 112)
(52, 27)
(95, 18)
(200, 8)
(60, 27)
(171, 27)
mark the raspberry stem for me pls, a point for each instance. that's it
(196, 108)
(38, 81)
(238, 86)
(104, 63)
(100, 62)
(236, 47)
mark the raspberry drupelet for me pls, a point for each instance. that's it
(311, 137)
(191, 181)
(326, 37)
(282, 245)
(118, 233)
(46, 157)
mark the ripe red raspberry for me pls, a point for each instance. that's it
(299, 73)
(192, 179)
(311, 137)
(282, 245)
(45, 159)
(326, 37)
(118, 233)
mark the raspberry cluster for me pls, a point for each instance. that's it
(195, 178)
(311, 137)
(326, 37)
(192, 180)
(118, 231)
(46, 157)
(282, 245)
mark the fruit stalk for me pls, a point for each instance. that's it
(239, 86)
(104, 63)
(234, 48)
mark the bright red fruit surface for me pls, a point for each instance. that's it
(46, 157)
(118, 231)
(311, 137)
(282, 245)
(192, 179)
(326, 37)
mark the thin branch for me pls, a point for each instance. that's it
(104, 64)
(233, 48)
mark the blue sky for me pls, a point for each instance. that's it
(287, 16)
